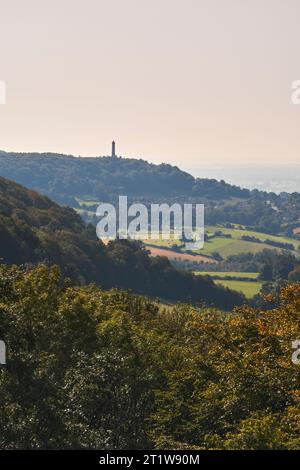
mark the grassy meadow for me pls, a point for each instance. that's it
(249, 288)
(230, 246)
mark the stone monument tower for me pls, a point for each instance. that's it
(113, 149)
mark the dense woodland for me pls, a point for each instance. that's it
(66, 179)
(92, 369)
(34, 229)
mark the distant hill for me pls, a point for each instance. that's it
(64, 177)
(83, 182)
(34, 229)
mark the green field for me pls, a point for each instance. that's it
(234, 245)
(159, 242)
(226, 274)
(248, 288)
(231, 246)
(237, 233)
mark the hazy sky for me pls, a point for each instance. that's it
(191, 82)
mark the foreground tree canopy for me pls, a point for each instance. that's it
(93, 369)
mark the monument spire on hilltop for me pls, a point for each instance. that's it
(113, 149)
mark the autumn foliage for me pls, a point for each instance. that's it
(93, 369)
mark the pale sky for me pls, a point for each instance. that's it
(190, 82)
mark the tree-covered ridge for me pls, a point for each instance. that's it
(92, 369)
(34, 229)
(62, 176)
(67, 179)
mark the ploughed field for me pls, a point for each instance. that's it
(174, 255)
